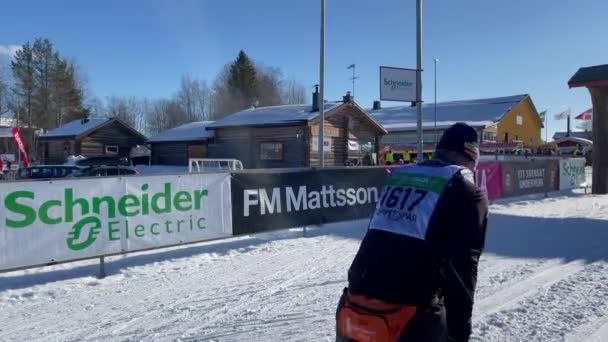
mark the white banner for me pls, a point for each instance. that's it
(571, 173)
(63, 220)
(327, 143)
(397, 84)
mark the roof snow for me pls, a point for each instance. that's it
(562, 135)
(75, 128)
(188, 132)
(477, 113)
(272, 115)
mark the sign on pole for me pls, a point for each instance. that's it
(397, 84)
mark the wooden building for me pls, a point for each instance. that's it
(90, 138)
(176, 145)
(287, 136)
(510, 119)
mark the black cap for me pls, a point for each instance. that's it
(461, 138)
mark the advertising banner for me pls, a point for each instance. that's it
(277, 200)
(489, 179)
(20, 145)
(571, 173)
(45, 222)
(327, 144)
(524, 178)
(397, 84)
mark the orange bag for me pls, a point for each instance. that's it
(365, 319)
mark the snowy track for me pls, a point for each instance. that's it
(544, 277)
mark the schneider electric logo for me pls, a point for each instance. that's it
(396, 84)
(126, 216)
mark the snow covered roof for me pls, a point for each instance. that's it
(562, 135)
(188, 132)
(274, 115)
(477, 113)
(78, 128)
(75, 128)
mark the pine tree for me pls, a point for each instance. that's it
(242, 81)
(44, 65)
(23, 72)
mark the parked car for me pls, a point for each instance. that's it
(47, 172)
(106, 171)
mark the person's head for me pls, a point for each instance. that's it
(458, 145)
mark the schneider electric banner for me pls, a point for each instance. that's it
(277, 200)
(397, 84)
(571, 173)
(66, 220)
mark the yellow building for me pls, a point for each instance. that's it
(500, 119)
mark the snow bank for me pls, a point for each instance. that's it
(543, 277)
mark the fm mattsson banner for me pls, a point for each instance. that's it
(277, 200)
(73, 219)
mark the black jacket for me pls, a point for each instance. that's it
(403, 270)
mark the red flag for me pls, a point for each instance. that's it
(20, 145)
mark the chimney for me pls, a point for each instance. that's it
(377, 105)
(347, 97)
(315, 99)
(84, 121)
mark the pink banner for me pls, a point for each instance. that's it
(489, 179)
(20, 145)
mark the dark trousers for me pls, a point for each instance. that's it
(426, 326)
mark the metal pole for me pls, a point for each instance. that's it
(354, 67)
(435, 61)
(546, 127)
(321, 87)
(102, 268)
(419, 75)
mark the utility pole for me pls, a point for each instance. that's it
(435, 109)
(419, 76)
(321, 87)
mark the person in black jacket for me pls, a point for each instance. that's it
(414, 276)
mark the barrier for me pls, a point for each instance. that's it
(66, 220)
(525, 178)
(206, 165)
(272, 200)
(572, 173)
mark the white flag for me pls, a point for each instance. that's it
(563, 115)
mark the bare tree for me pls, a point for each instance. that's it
(128, 109)
(203, 100)
(96, 107)
(165, 114)
(268, 86)
(187, 98)
(294, 92)
(223, 101)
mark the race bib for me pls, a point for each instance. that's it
(409, 199)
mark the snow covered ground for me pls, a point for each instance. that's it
(543, 277)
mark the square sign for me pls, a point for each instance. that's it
(397, 84)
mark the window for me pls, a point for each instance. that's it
(520, 120)
(111, 149)
(271, 150)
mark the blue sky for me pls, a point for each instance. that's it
(485, 48)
